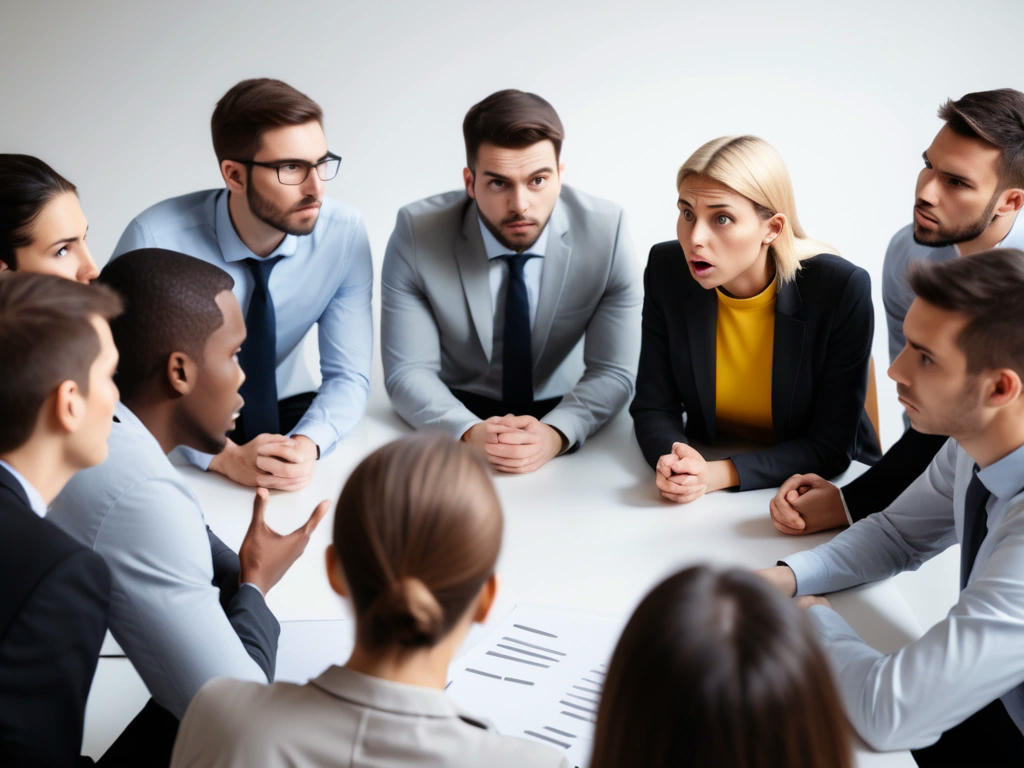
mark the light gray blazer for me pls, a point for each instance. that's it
(342, 718)
(437, 322)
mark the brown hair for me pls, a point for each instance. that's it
(170, 306)
(417, 530)
(512, 119)
(988, 287)
(996, 117)
(46, 337)
(27, 184)
(716, 668)
(252, 107)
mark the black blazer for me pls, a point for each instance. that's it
(877, 488)
(53, 616)
(824, 323)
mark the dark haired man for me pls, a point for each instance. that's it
(184, 607)
(967, 200)
(298, 259)
(487, 291)
(959, 374)
(57, 397)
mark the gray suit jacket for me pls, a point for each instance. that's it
(342, 718)
(437, 322)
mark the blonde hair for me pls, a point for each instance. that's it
(753, 168)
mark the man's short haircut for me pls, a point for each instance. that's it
(46, 337)
(253, 107)
(996, 117)
(27, 184)
(511, 119)
(988, 288)
(170, 306)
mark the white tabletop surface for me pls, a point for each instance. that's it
(587, 532)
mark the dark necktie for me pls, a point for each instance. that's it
(975, 525)
(517, 357)
(258, 357)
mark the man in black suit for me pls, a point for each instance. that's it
(57, 398)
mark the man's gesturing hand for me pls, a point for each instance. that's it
(266, 555)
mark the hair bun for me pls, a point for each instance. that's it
(407, 614)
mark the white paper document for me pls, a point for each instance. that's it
(538, 674)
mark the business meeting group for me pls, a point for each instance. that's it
(510, 320)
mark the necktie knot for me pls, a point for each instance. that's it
(517, 261)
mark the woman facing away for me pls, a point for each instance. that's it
(715, 669)
(750, 333)
(42, 227)
(417, 532)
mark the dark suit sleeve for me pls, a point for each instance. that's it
(877, 488)
(253, 622)
(48, 656)
(656, 409)
(827, 444)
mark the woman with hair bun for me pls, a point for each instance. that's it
(752, 332)
(42, 227)
(716, 669)
(417, 532)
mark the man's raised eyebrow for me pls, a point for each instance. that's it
(964, 179)
(540, 171)
(920, 348)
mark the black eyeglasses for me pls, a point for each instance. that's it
(294, 172)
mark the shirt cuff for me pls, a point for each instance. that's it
(250, 584)
(846, 509)
(810, 572)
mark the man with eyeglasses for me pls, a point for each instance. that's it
(298, 259)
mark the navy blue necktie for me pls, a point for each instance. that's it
(975, 525)
(517, 357)
(258, 357)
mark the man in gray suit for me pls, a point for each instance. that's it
(510, 310)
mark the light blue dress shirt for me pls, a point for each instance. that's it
(137, 512)
(35, 499)
(324, 278)
(907, 699)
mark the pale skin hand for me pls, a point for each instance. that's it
(684, 475)
(268, 461)
(781, 577)
(265, 555)
(807, 504)
(515, 444)
(806, 601)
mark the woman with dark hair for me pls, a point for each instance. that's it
(417, 532)
(42, 227)
(715, 668)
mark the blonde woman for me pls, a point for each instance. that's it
(750, 333)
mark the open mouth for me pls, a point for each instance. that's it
(701, 267)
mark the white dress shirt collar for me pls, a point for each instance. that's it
(35, 499)
(495, 250)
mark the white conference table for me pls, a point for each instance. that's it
(585, 532)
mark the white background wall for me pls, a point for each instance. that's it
(117, 97)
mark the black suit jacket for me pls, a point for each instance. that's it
(877, 488)
(824, 323)
(53, 616)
